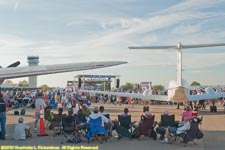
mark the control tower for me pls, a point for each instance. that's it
(33, 61)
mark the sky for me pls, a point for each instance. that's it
(71, 31)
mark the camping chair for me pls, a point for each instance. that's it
(124, 126)
(145, 128)
(180, 132)
(20, 102)
(69, 129)
(57, 124)
(82, 123)
(194, 132)
(166, 120)
(107, 116)
(96, 129)
(108, 125)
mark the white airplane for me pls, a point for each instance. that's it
(179, 90)
(12, 71)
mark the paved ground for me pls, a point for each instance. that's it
(213, 127)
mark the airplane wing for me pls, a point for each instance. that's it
(133, 95)
(17, 72)
(176, 46)
(210, 94)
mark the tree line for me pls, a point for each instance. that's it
(24, 84)
(126, 86)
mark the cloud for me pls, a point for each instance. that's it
(78, 35)
(128, 29)
(190, 5)
(12, 42)
(203, 60)
(187, 28)
(3, 2)
(120, 23)
(16, 5)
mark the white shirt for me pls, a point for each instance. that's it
(75, 109)
(33, 94)
(95, 116)
(183, 128)
(19, 131)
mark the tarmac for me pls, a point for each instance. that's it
(213, 127)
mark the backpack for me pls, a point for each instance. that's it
(22, 112)
(16, 112)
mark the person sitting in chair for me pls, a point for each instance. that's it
(21, 131)
(109, 126)
(165, 121)
(59, 115)
(102, 110)
(60, 111)
(181, 126)
(56, 122)
(125, 112)
(95, 115)
(70, 112)
(146, 114)
(166, 112)
(187, 112)
(96, 122)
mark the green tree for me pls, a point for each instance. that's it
(195, 83)
(136, 87)
(158, 87)
(44, 87)
(23, 83)
(9, 82)
(128, 86)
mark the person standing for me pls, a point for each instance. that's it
(39, 102)
(2, 117)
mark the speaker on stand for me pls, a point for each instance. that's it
(79, 83)
(117, 83)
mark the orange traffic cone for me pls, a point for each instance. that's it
(42, 124)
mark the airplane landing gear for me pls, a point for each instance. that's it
(213, 109)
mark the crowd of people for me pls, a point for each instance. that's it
(18, 99)
(76, 105)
